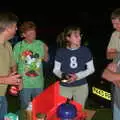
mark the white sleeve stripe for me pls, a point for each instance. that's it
(90, 69)
(57, 69)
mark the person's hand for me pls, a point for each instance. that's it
(71, 78)
(20, 86)
(116, 83)
(112, 67)
(111, 53)
(14, 79)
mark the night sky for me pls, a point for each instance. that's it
(51, 19)
(95, 23)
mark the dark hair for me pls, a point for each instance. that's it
(115, 14)
(61, 38)
(7, 19)
(68, 30)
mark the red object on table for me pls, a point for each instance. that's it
(48, 101)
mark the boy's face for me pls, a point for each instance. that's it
(116, 24)
(11, 31)
(30, 35)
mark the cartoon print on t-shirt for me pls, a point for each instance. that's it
(32, 63)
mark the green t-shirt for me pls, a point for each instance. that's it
(28, 57)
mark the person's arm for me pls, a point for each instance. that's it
(111, 77)
(110, 74)
(3, 79)
(57, 69)
(13, 63)
(14, 69)
(111, 53)
(46, 56)
(11, 79)
(90, 69)
(112, 47)
(15, 57)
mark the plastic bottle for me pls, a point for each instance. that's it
(29, 111)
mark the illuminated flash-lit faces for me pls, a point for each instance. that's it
(30, 35)
(74, 38)
(116, 24)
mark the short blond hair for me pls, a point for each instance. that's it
(7, 19)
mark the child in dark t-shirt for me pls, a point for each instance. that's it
(76, 63)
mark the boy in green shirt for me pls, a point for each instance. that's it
(29, 54)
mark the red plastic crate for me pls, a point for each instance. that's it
(48, 101)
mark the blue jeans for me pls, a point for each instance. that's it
(27, 94)
(116, 112)
(3, 107)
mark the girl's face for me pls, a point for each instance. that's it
(116, 24)
(74, 39)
